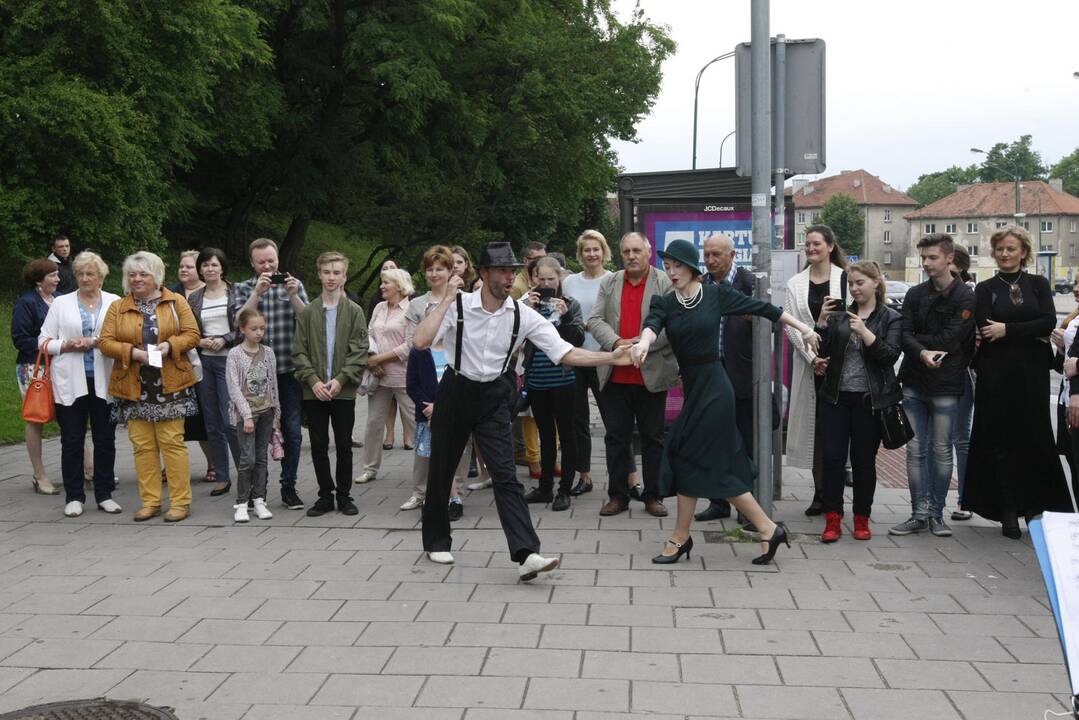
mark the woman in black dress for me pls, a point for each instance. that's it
(703, 455)
(1013, 468)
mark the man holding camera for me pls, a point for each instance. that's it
(279, 297)
(938, 343)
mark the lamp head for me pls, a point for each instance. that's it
(977, 150)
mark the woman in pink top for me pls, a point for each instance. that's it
(387, 330)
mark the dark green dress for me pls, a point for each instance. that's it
(703, 455)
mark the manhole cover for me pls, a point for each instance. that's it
(98, 709)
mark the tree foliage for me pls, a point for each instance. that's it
(933, 186)
(842, 214)
(1067, 169)
(101, 104)
(1006, 160)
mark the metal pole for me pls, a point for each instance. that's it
(1018, 207)
(761, 97)
(722, 143)
(696, 90)
(779, 181)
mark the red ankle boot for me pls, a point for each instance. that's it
(861, 527)
(832, 529)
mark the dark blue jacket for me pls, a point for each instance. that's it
(421, 382)
(27, 317)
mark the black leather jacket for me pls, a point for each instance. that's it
(879, 358)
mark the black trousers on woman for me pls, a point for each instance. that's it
(481, 410)
(341, 414)
(848, 429)
(72, 420)
(553, 407)
(587, 379)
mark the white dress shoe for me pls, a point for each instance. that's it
(442, 558)
(412, 503)
(261, 511)
(366, 477)
(110, 506)
(73, 509)
(239, 513)
(534, 565)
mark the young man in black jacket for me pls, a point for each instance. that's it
(938, 343)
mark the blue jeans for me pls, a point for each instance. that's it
(929, 454)
(290, 393)
(214, 403)
(964, 416)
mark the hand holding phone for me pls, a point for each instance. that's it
(278, 278)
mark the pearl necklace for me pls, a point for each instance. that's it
(690, 302)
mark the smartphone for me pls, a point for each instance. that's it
(835, 304)
(546, 293)
(278, 278)
(939, 356)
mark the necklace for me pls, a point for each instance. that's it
(1015, 293)
(690, 302)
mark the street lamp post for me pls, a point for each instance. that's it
(1018, 202)
(725, 138)
(696, 90)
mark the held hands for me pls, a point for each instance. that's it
(638, 353)
(993, 331)
(622, 355)
(820, 366)
(626, 342)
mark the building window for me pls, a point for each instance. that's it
(801, 217)
(888, 257)
(1074, 226)
(972, 250)
(972, 227)
(887, 215)
(802, 237)
(1026, 224)
(887, 237)
(816, 216)
(930, 228)
(1000, 224)
(1047, 226)
(950, 228)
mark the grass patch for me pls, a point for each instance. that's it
(11, 422)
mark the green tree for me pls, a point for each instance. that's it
(933, 186)
(1004, 161)
(844, 216)
(1067, 169)
(102, 104)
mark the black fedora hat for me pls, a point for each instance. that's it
(498, 254)
(685, 252)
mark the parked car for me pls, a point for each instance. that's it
(1063, 286)
(896, 293)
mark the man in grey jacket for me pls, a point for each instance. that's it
(630, 396)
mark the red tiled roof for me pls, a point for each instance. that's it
(864, 187)
(1037, 197)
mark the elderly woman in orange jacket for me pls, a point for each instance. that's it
(148, 334)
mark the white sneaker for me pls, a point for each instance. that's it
(534, 565)
(481, 485)
(110, 506)
(366, 477)
(442, 558)
(412, 503)
(73, 509)
(261, 511)
(239, 513)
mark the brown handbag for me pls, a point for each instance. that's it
(37, 405)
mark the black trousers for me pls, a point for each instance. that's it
(848, 430)
(72, 420)
(481, 410)
(341, 414)
(553, 407)
(622, 405)
(587, 379)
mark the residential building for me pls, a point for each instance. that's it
(883, 208)
(974, 212)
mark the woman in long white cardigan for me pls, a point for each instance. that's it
(80, 381)
(805, 293)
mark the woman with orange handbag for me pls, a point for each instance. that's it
(42, 276)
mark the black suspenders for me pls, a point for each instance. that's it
(461, 335)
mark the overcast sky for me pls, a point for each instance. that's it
(911, 86)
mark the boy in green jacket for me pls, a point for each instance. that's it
(330, 353)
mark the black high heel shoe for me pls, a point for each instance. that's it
(581, 488)
(683, 549)
(779, 536)
(1009, 525)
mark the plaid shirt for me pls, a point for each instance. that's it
(707, 279)
(276, 306)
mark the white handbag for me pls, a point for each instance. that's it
(369, 381)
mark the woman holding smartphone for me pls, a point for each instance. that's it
(807, 292)
(859, 348)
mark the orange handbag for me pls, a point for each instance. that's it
(38, 406)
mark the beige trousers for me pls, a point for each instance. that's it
(378, 405)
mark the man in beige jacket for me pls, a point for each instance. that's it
(630, 396)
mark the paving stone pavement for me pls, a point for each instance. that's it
(343, 617)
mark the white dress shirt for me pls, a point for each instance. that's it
(487, 337)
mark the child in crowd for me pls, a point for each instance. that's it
(254, 408)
